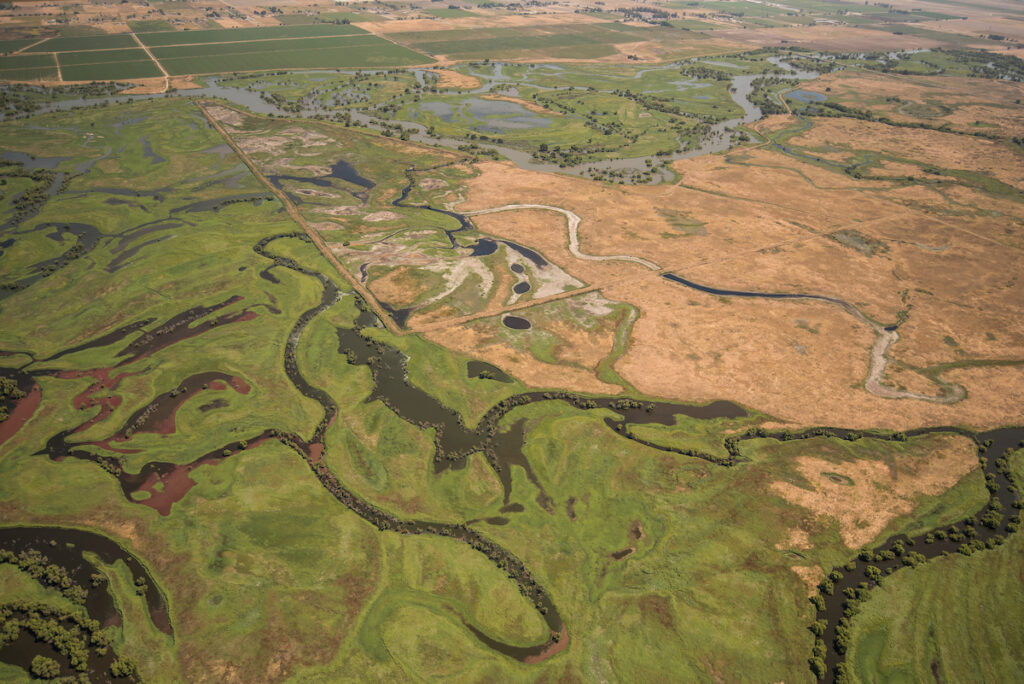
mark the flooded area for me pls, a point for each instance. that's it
(65, 547)
(494, 116)
(486, 116)
(805, 96)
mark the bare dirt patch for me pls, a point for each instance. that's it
(532, 106)
(146, 86)
(455, 80)
(225, 115)
(381, 216)
(433, 183)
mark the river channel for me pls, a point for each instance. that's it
(717, 140)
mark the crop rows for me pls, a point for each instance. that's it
(111, 71)
(380, 54)
(262, 47)
(106, 42)
(164, 38)
(68, 59)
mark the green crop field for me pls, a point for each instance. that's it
(26, 62)
(296, 19)
(268, 47)
(73, 44)
(12, 45)
(245, 34)
(111, 71)
(554, 40)
(28, 73)
(364, 52)
(695, 25)
(67, 59)
(449, 13)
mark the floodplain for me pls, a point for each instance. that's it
(413, 342)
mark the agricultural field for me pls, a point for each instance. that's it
(164, 54)
(578, 40)
(492, 342)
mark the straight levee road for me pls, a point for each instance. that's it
(167, 77)
(297, 217)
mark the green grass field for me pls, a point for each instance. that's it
(953, 619)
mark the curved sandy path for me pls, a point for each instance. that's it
(573, 220)
(878, 361)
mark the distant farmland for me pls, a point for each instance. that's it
(119, 57)
(107, 42)
(27, 67)
(162, 38)
(374, 52)
(570, 40)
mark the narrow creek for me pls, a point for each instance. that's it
(501, 446)
(165, 483)
(847, 586)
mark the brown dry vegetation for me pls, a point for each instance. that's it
(768, 220)
(879, 492)
(958, 101)
(829, 38)
(484, 340)
(944, 150)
